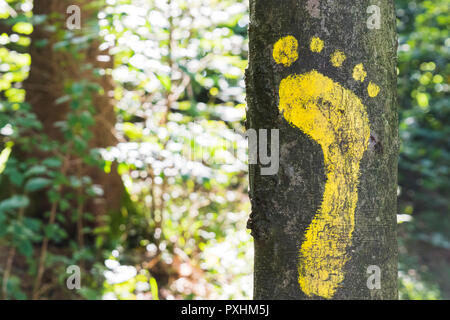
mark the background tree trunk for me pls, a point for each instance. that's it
(330, 211)
(52, 69)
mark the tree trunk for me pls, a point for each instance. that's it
(324, 74)
(52, 69)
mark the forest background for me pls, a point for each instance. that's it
(179, 229)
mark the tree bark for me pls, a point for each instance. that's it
(324, 74)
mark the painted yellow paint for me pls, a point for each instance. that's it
(337, 58)
(359, 74)
(285, 51)
(316, 44)
(373, 89)
(337, 120)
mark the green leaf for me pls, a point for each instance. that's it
(35, 170)
(55, 232)
(36, 184)
(23, 27)
(4, 155)
(61, 45)
(165, 81)
(132, 131)
(25, 247)
(64, 204)
(15, 176)
(13, 203)
(154, 288)
(90, 294)
(2, 224)
(32, 224)
(63, 99)
(52, 162)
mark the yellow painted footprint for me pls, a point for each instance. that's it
(336, 119)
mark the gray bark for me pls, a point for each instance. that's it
(284, 204)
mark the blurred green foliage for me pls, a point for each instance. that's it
(424, 109)
(178, 70)
(180, 105)
(36, 167)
